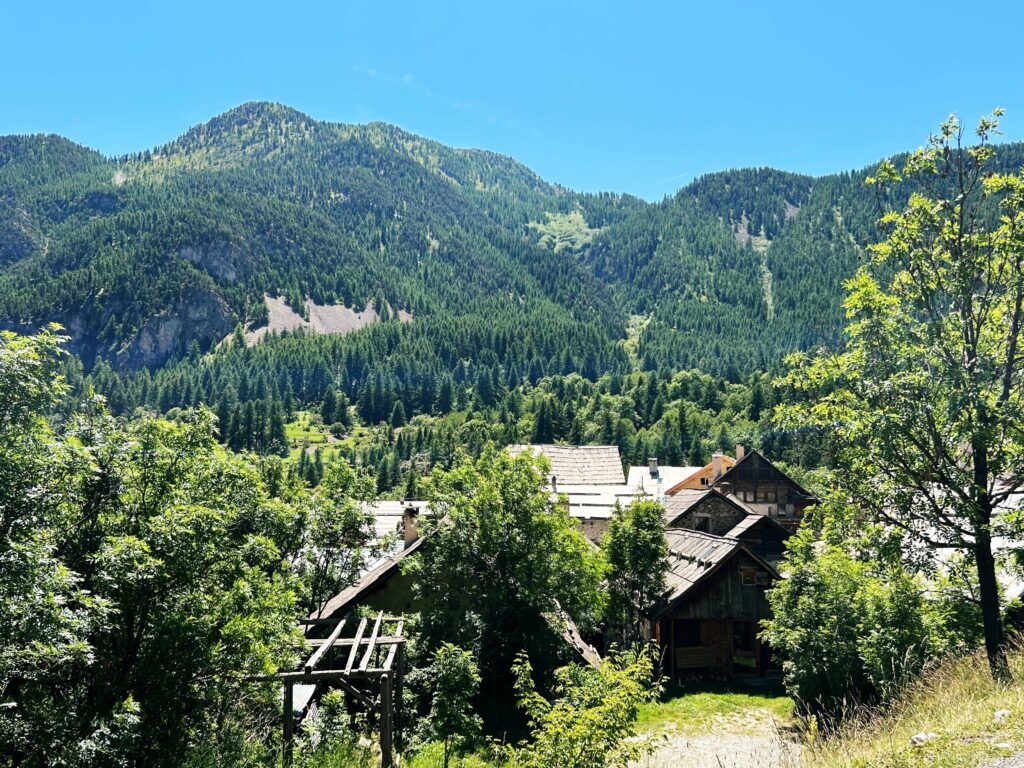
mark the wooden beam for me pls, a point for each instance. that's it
(386, 712)
(288, 711)
(355, 645)
(319, 674)
(370, 643)
(390, 660)
(318, 654)
(345, 642)
(358, 695)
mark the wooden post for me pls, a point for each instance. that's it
(386, 713)
(399, 686)
(289, 724)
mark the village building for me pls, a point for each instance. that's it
(754, 480)
(724, 551)
(708, 619)
(710, 511)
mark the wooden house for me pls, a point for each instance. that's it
(709, 617)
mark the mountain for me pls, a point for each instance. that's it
(150, 257)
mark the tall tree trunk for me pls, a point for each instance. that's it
(989, 592)
(988, 587)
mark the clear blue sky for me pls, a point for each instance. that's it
(626, 96)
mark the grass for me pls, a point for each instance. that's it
(956, 702)
(691, 710)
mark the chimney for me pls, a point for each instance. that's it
(409, 531)
(740, 451)
(652, 466)
(716, 465)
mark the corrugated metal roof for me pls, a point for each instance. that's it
(579, 464)
(640, 478)
(752, 520)
(693, 557)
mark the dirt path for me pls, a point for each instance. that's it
(730, 742)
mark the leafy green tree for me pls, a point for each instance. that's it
(591, 723)
(924, 402)
(453, 681)
(338, 532)
(852, 622)
(501, 554)
(636, 555)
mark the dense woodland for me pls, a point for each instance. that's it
(142, 256)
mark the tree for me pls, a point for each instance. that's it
(925, 400)
(591, 722)
(398, 415)
(144, 575)
(852, 622)
(338, 531)
(453, 681)
(501, 554)
(636, 554)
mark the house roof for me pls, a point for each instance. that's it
(640, 478)
(369, 581)
(687, 498)
(754, 457)
(752, 520)
(693, 558)
(579, 464)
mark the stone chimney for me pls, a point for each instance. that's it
(716, 465)
(652, 466)
(409, 530)
(740, 451)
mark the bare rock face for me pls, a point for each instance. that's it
(223, 259)
(201, 316)
(19, 236)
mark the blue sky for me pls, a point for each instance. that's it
(635, 97)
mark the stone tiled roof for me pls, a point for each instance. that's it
(579, 464)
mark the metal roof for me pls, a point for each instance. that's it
(693, 557)
(579, 464)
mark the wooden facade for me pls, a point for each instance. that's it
(710, 620)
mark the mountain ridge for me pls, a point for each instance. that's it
(144, 255)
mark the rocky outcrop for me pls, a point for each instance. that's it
(222, 259)
(201, 316)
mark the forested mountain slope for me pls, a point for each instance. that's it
(147, 257)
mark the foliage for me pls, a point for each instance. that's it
(338, 534)
(453, 681)
(500, 555)
(924, 402)
(636, 554)
(956, 702)
(144, 575)
(852, 622)
(591, 723)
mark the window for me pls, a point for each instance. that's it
(704, 480)
(702, 523)
(748, 577)
(744, 635)
(687, 633)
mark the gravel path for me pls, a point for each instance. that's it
(750, 740)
